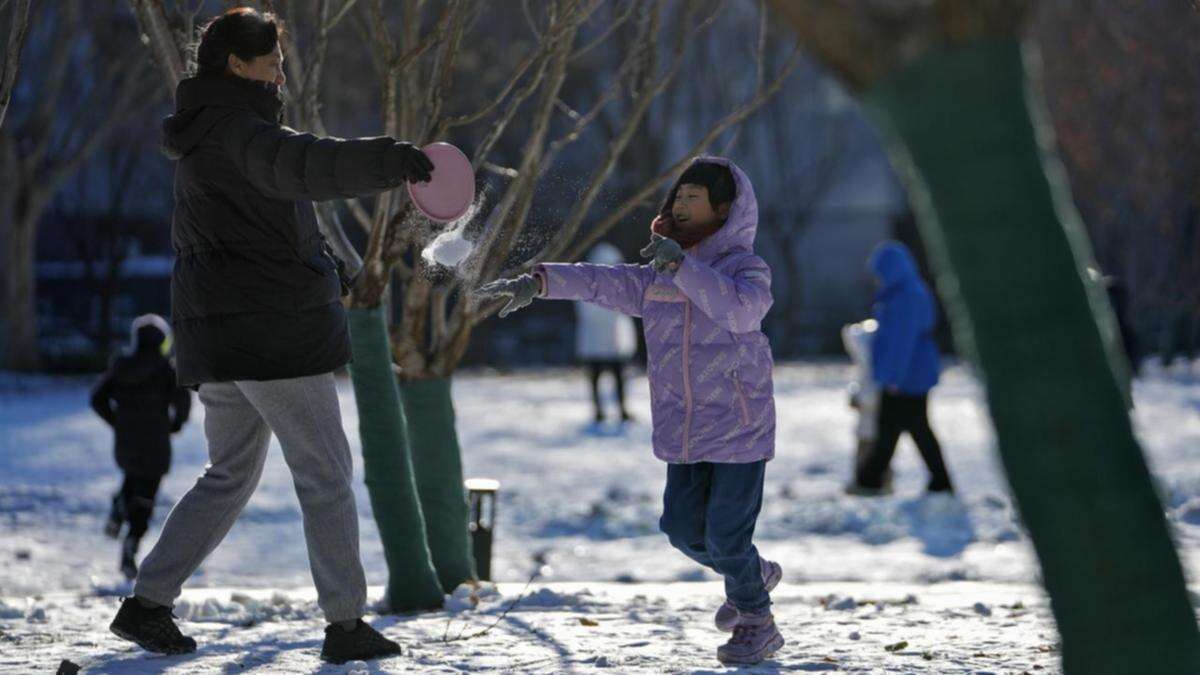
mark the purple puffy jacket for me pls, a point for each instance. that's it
(711, 393)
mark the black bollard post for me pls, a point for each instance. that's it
(481, 497)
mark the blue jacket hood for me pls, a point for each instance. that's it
(903, 353)
(893, 264)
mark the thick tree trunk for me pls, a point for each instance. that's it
(437, 461)
(388, 467)
(1010, 256)
(18, 31)
(8, 207)
(167, 45)
(19, 289)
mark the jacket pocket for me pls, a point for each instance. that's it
(321, 264)
(741, 396)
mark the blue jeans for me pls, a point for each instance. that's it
(709, 512)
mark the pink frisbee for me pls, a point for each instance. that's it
(449, 193)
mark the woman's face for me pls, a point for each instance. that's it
(265, 68)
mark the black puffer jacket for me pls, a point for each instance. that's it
(253, 294)
(138, 397)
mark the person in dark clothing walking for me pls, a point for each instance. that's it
(256, 303)
(905, 366)
(139, 399)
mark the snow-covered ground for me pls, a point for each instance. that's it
(580, 506)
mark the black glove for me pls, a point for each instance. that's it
(522, 289)
(415, 166)
(664, 254)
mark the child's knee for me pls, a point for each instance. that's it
(682, 533)
(667, 526)
(727, 543)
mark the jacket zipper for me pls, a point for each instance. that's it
(737, 385)
(687, 378)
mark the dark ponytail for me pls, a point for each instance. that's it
(243, 31)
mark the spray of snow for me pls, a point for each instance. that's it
(451, 246)
(448, 249)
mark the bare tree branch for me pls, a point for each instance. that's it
(56, 76)
(610, 93)
(761, 53)
(169, 51)
(529, 20)
(131, 98)
(523, 67)
(621, 20)
(617, 147)
(498, 240)
(714, 132)
(498, 127)
(458, 14)
(555, 33)
(346, 7)
(359, 212)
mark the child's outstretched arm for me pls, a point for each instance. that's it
(620, 288)
(736, 302)
(616, 287)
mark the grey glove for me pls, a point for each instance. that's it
(664, 254)
(522, 289)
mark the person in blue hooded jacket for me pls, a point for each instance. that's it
(905, 366)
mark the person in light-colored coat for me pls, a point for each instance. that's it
(605, 340)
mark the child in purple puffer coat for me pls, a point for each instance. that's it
(702, 299)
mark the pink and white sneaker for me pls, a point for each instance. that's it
(727, 615)
(754, 640)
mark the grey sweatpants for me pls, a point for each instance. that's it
(238, 420)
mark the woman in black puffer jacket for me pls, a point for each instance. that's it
(259, 324)
(255, 295)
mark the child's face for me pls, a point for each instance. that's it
(691, 209)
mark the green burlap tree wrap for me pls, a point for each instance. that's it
(1010, 257)
(437, 460)
(412, 582)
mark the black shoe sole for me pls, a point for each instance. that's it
(339, 661)
(149, 646)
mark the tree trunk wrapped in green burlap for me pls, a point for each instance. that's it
(412, 582)
(437, 460)
(1010, 254)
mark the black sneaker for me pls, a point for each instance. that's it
(151, 629)
(361, 644)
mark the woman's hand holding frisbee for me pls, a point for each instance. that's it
(415, 166)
